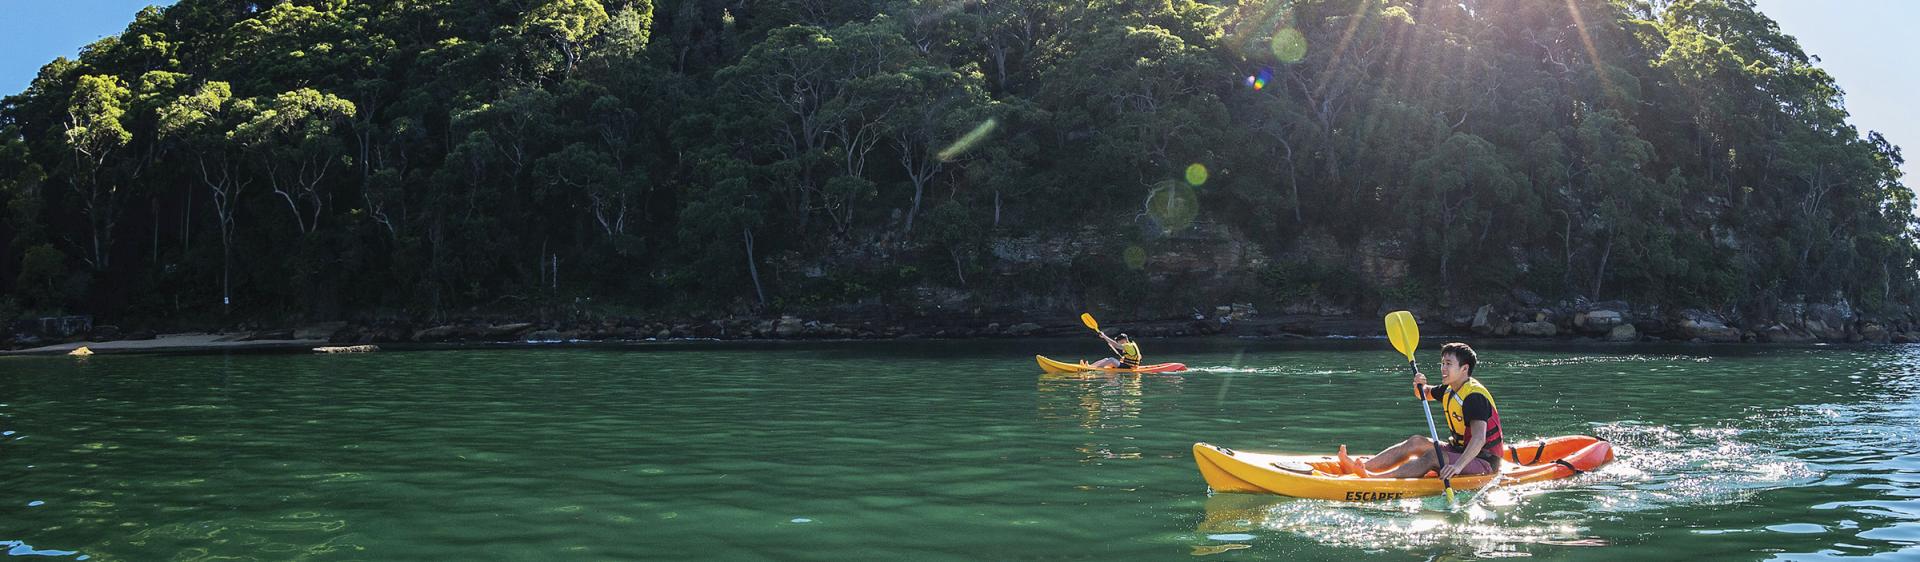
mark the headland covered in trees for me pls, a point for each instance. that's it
(421, 170)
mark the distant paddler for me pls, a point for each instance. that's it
(1126, 351)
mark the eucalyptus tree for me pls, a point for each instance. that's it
(203, 123)
(941, 109)
(582, 169)
(1344, 43)
(1141, 100)
(1465, 189)
(793, 103)
(720, 218)
(94, 132)
(1624, 206)
(1012, 34)
(22, 183)
(293, 139)
(876, 70)
(568, 25)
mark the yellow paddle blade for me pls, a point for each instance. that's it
(1087, 318)
(1403, 332)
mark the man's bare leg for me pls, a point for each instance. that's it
(1414, 468)
(1414, 445)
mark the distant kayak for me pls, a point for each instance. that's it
(1052, 366)
(1322, 477)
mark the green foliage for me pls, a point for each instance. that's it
(98, 104)
(1305, 280)
(628, 31)
(45, 283)
(326, 158)
(568, 25)
(1410, 290)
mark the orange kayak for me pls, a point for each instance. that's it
(1051, 366)
(1322, 477)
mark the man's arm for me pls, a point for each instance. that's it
(1478, 431)
(1478, 411)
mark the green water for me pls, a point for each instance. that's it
(930, 450)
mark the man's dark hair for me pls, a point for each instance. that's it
(1462, 353)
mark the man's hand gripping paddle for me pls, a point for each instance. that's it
(1405, 335)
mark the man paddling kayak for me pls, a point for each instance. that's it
(1123, 346)
(1475, 445)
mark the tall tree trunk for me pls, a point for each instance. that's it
(1600, 274)
(1566, 240)
(100, 262)
(226, 269)
(999, 54)
(186, 225)
(1293, 180)
(957, 270)
(919, 187)
(746, 235)
(996, 208)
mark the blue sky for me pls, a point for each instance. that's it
(1869, 46)
(33, 32)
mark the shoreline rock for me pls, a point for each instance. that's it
(1611, 321)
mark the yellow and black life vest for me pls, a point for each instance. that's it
(1454, 404)
(1130, 353)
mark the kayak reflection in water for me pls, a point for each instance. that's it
(1474, 447)
(1124, 347)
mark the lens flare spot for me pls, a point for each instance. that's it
(1196, 174)
(1289, 45)
(967, 141)
(1260, 80)
(1173, 205)
(1135, 256)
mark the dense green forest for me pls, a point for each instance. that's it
(319, 159)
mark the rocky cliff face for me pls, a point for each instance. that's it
(1165, 276)
(1212, 275)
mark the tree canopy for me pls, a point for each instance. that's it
(226, 159)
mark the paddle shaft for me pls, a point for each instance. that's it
(1483, 489)
(1439, 460)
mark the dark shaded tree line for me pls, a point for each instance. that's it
(322, 158)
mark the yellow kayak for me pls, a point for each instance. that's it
(1322, 477)
(1051, 366)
